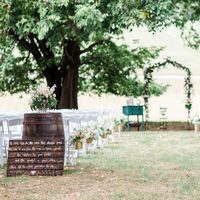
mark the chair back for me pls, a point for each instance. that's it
(1, 143)
(15, 128)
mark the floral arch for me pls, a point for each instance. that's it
(148, 78)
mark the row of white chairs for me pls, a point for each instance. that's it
(11, 127)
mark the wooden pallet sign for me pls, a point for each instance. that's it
(36, 157)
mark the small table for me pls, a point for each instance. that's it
(134, 110)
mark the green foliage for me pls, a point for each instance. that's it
(183, 14)
(89, 16)
(111, 69)
(188, 105)
(157, 89)
(192, 36)
(17, 74)
(40, 36)
(33, 34)
(106, 69)
(43, 103)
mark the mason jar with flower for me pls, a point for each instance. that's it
(77, 139)
(90, 137)
(103, 132)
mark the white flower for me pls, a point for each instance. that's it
(43, 98)
(52, 89)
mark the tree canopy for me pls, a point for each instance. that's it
(73, 41)
(158, 14)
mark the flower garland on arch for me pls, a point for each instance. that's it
(148, 78)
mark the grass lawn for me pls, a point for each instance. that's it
(141, 165)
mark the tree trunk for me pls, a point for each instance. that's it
(69, 92)
(53, 78)
(65, 76)
(66, 88)
(70, 74)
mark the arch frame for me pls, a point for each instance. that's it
(148, 78)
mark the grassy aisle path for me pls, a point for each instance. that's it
(164, 165)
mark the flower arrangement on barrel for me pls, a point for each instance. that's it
(43, 99)
(43, 124)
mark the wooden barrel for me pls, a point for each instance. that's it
(43, 126)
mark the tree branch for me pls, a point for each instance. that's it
(44, 49)
(27, 57)
(90, 60)
(72, 25)
(89, 48)
(30, 46)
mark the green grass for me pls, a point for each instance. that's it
(141, 165)
(168, 161)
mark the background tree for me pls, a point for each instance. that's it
(158, 14)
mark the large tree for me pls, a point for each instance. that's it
(59, 39)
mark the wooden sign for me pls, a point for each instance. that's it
(36, 157)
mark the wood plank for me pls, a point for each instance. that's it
(36, 157)
(35, 173)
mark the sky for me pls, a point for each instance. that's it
(175, 47)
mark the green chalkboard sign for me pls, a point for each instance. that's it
(133, 110)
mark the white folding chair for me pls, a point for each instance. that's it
(14, 131)
(1, 143)
(15, 128)
(70, 153)
(67, 157)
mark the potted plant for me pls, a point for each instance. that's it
(90, 137)
(77, 139)
(109, 131)
(103, 132)
(119, 124)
